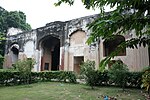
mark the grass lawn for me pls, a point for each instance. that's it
(65, 91)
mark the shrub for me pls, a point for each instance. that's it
(118, 74)
(89, 73)
(8, 77)
(103, 78)
(25, 67)
(134, 79)
(146, 80)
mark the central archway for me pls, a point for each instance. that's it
(50, 47)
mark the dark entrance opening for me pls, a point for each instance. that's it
(50, 53)
(46, 67)
(14, 53)
(55, 57)
(15, 50)
(111, 45)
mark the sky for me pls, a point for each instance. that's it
(40, 12)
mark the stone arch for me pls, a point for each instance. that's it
(14, 52)
(44, 36)
(110, 45)
(12, 56)
(77, 37)
(50, 53)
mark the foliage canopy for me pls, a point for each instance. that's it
(16, 19)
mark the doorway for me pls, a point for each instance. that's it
(77, 62)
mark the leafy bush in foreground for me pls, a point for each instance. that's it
(146, 80)
(88, 72)
(118, 73)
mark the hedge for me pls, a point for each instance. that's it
(103, 79)
(133, 79)
(14, 77)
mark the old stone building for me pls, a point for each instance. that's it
(62, 46)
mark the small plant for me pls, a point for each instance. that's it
(146, 80)
(118, 74)
(89, 73)
(25, 67)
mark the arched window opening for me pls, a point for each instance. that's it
(111, 45)
(14, 52)
(77, 38)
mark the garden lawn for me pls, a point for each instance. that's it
(65, 91)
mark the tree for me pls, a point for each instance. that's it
(16, 19)
(128, 15)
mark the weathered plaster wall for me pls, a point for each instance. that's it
(136, 59)
(75, 45)
(25, 42)
(29, 49)
(13, 31)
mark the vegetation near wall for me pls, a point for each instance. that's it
(9, 77)
(146, 80)
(21, 74)
(15, 77)
(118, 75)
(103, 79)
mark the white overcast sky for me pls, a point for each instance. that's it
(40, 12)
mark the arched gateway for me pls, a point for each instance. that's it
(50, 53)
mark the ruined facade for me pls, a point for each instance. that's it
(62, 46)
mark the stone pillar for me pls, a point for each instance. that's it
(97, 56)
(37, 61)
(61, 63)
(66, 57)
